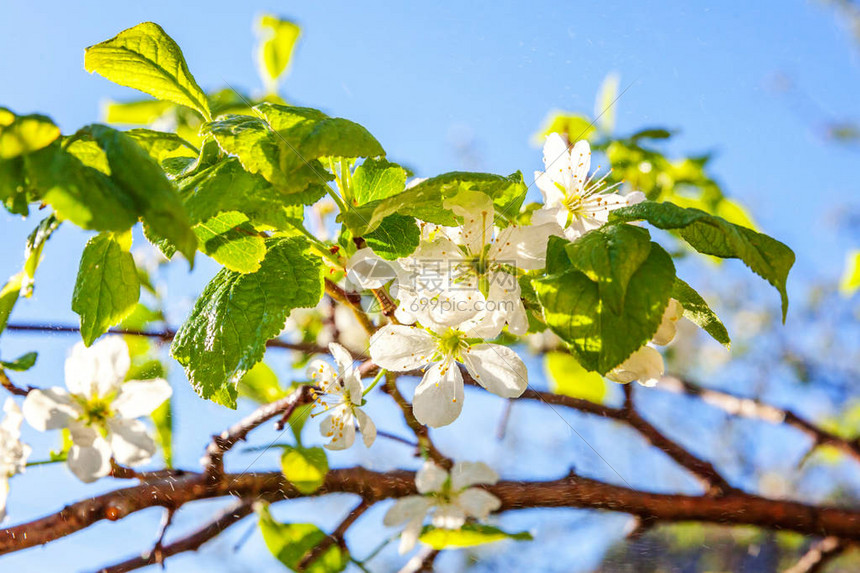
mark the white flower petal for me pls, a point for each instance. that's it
(90, 463)
(478, 214)
(644, 365)
(49, 409)
(466, 474)
(668, 323)
(430, 478)
(635, 197)
(340, 427)
(130, 441)
(11, 424)
(138, 398)
(406, 509)
(557, 158)
(367, 270)
(367, 427)
(321, 373)
(342, 357)
(553, 196)
(449, 516)
(523, 246)
(478, 503)
(497, 368)
(83, 435)
(580, 163)
(439, 397)
(4, 495)
(81, 368)
(410, 534)
(113, 364)
(402, 348)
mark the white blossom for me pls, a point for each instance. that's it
(439, 397)
(449, 497)
(99, 409)
(668, 323)
(341, 394)
(13, 453)
(573, 199)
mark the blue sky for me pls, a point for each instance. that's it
(422, 79)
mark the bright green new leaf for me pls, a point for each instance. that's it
(232, 241)
(609, 256)
(24, 134)
(79, 193)
(851, 276)
(107, 288)
(33, 252)
(470, 535)
(161, 145)
(423, 203)
(89, 153)
(8, 297)
(573, 126)
(305, 468)
(227, 187)
(698, 311)
(600, 337)
(711, 235)
(278, 39)
(137, 112)
(507, 193)
(162, 418)
(377, 179)
(397, 236)
(261, 384)
(147, 59)
(291, 542)
(22, 363)
(604, 105)
(234, 317)
(143, 180)
(568, 377)
(13, 186)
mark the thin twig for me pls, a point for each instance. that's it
(336, 536)
(819, 555)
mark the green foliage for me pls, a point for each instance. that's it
(261, 385)
(470, 535)
(698, 311)
(160, 144)
(291, 542)
(569, 378)
(571, 125)
(8, 297)
(147, 59)
(304, 468)
(584, 313)
(397, 236)
(107, 288)
(22, 363)
(507, 193)
(232, 241)
(33, 252)
(279, 38)
(377, 179)
(23, 134)
(236, 315)
(715, 236)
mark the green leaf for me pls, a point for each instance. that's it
(8, 297)
(377, 179)
(22, 363)
(600, 337)
(568, 377)
(279, 38)
(137, 112)
(33, 252)
(79, 193)
(227, 187)
(13, 186)
(107, 287)
(698, 311)
(236, 315)
(160, 144)
(397, 236)
(423, 203)
(147, 59)
(261, 384)
(609, 256)
(162, 418)
(573, 126)
(291, 542)
(23, 134)
(507, 193)
(711, 235)
(232, 241)
(851, 276)
(470, 535)
(305, 468)
(143, 180)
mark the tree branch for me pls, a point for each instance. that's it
(420, 430)
(819, 555)
(191, 542)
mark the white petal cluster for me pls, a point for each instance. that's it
(574, 200)
(13, 453)
(341, 395)
(99, 409)
(646, 364)
(448, 497)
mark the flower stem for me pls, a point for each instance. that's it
(376, 380)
